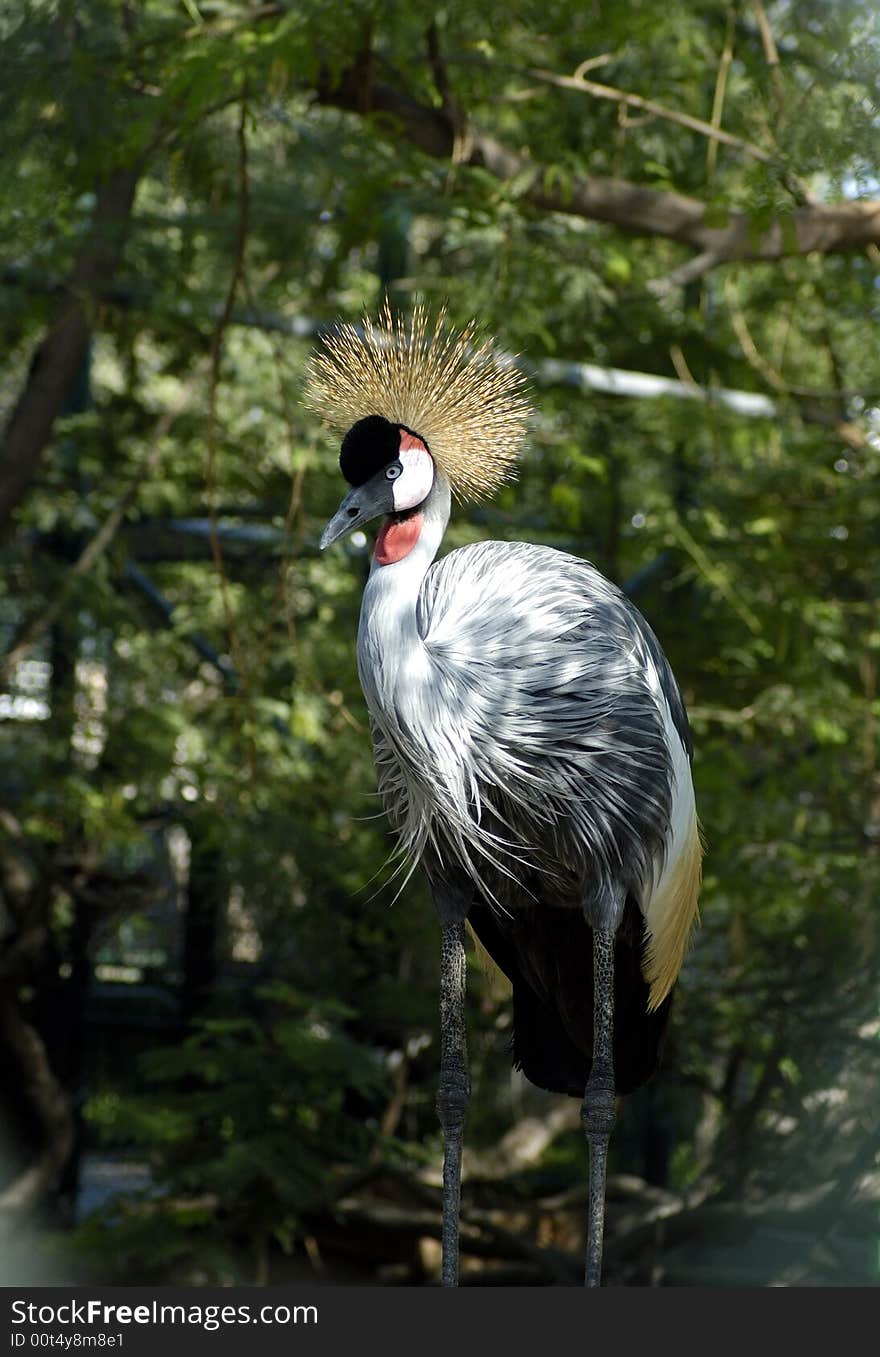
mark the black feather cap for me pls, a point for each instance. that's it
(369, 445)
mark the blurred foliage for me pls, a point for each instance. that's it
(235, 713)
(244, 1123)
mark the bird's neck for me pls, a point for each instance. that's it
(391, 656)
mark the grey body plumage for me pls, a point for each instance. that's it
(519, 745)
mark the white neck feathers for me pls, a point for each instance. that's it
(392, 659)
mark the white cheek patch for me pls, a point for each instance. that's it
(417, 478)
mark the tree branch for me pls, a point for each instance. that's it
(634, 208)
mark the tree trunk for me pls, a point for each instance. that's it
(60, 356)
(48, 1102)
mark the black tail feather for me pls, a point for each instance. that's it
(547, 954)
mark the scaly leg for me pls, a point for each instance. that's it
(454, 1090)
(597, 1112)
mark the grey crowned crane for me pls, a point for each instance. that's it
(531, 744)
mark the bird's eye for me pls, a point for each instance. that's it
(393, 471)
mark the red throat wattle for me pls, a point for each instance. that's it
(397, 539)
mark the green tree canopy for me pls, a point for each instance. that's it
(674, 202)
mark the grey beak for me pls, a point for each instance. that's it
(344, 520)
(361, 504)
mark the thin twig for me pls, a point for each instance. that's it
(591, 63)
(715, 576)
(222, 24)
(771, 54)
(461, 144)
(750, 349)
(672, 115)
(680, 363)
(689, 272)
(216, 349)
(289, 550)
(844, 428)
(720, 91)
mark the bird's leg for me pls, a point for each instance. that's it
(597, 1112)
(454, 1090)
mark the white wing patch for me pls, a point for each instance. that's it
(670, 900)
